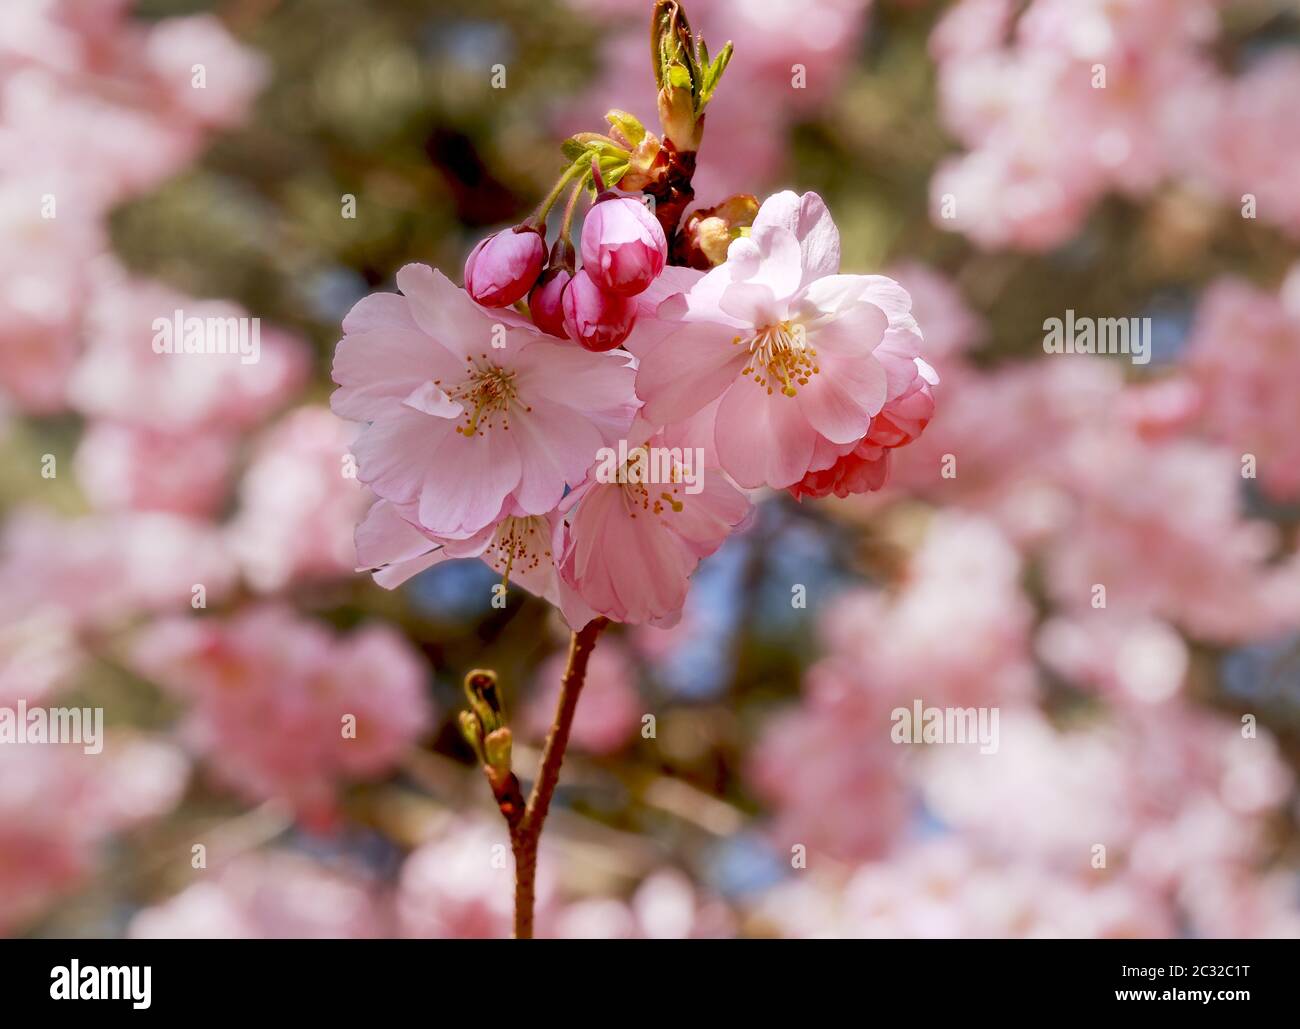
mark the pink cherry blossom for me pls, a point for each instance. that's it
(1249, 148)
(783, 342)
(1244, 357)
(103, 571)
(519, 548)
(122, 377)
(125, 467)
(461, 429)
(272, 695)
(629, 547)
(299, 502)
(232, 74)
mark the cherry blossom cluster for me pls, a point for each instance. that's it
(484, 429)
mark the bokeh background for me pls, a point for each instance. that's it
(176, 537)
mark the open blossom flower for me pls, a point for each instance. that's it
(394, 548)
(785, 344)
(904, 416)
(630, 545)
(471, 413)
(623, 246)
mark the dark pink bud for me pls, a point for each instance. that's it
(544, 302)
(596, 319)
(503, 267)
(623, 246)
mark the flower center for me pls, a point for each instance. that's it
(486, 395)
(780, 356)
(648, 488)
(519, 544)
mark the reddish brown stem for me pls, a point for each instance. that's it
(526, 832)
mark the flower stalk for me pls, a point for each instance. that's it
(484, 728)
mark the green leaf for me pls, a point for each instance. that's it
(713, 75)
(628, 124)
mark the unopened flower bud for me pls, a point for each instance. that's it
(596, 319)
(472, 730)
(545, 302)
(496, 747)
(708, 233)
(503, 267)
(623, 246)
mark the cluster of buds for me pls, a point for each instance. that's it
(484, 729)
(623, 249)
(624, 246)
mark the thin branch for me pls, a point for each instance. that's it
(526, 833)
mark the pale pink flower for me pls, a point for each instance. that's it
(830, 773)
(629, 546)
(102, 571)
(125, 467)
(43, 282)
(520, 548)
(784, 343)
(1250, 147)
(299, 502)
(59, 806)
(611, 709)
(231, 73)
(122, 377)
(955, 632)
(1047, 137)
(1160, 527)
(460, 428)
(277, 895)
(1142, 660)
(281, 707)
